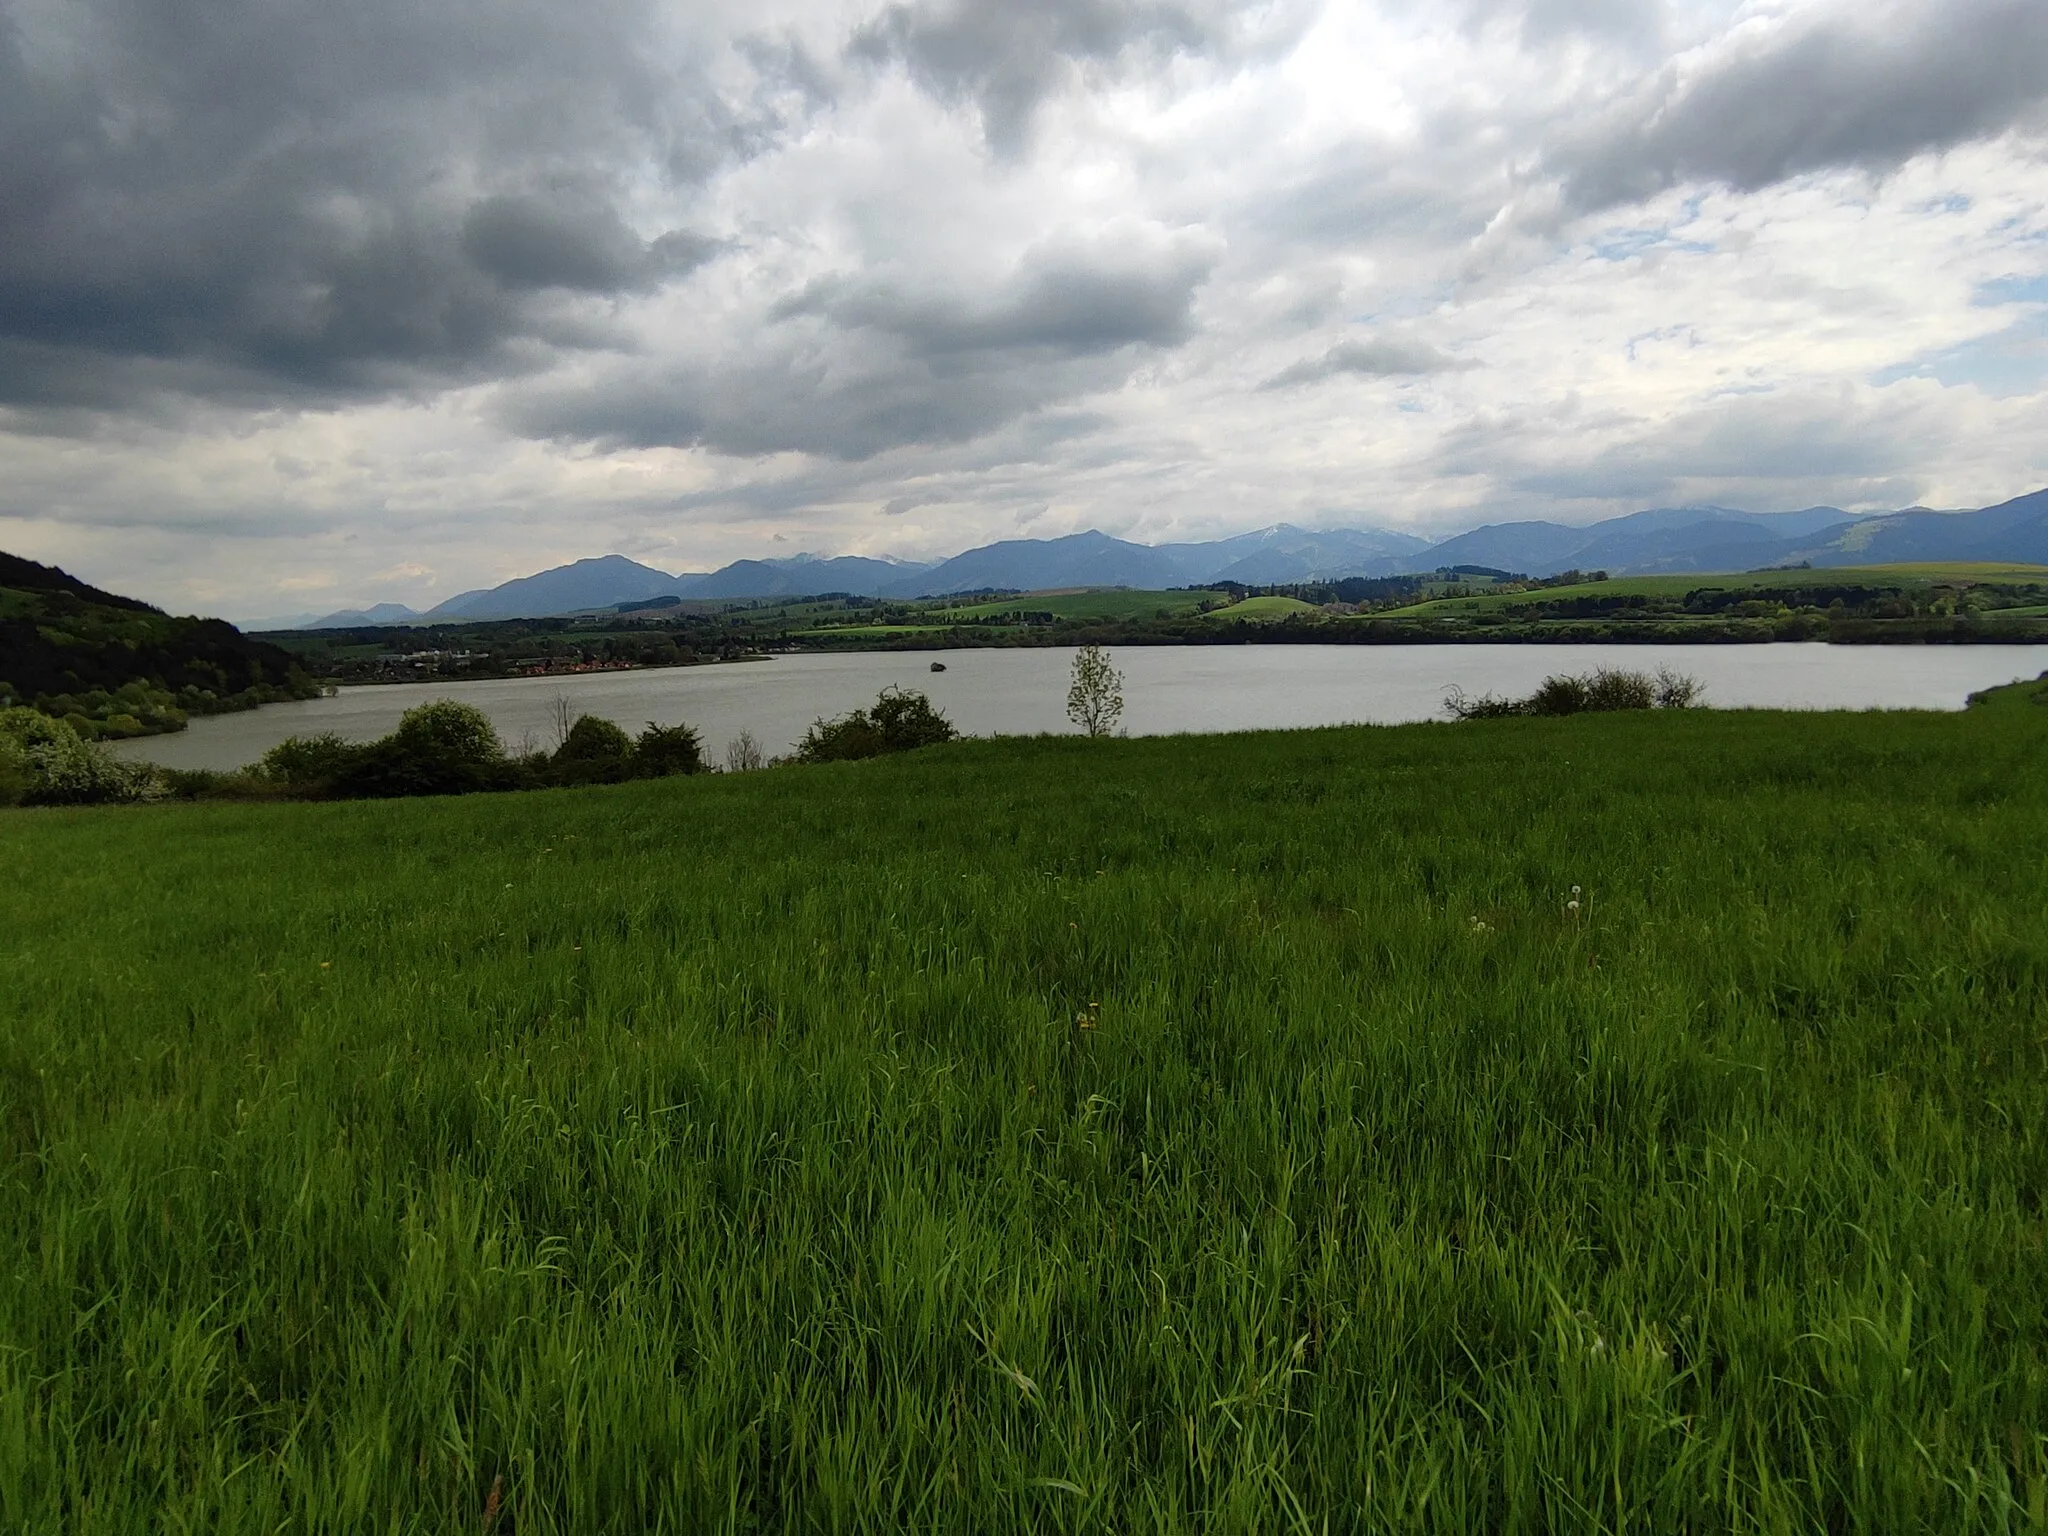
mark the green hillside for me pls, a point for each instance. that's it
(1255, 609)
(1929, 603)
(113, 666)
(1626, 1122)
(1993, 584)
(1093, 603)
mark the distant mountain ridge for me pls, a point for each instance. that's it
(1662, 539)
(594, 583)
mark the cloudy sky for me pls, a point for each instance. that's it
(305, 303)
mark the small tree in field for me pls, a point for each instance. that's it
(1095, 701)
(743, 754)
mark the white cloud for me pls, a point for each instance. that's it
(684, 281)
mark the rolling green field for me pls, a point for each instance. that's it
(1263, 608)
(889, 629)
(1093, 603)
(1232, 1134)
(1677, 586)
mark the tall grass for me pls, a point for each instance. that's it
(1237, 1134)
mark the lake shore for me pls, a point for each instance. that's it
(1170, 690)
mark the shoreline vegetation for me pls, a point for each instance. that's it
(1903, 605)
(443, 747)
(111, 667)
(1621, 1120)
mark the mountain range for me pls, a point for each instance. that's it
(1663, 539)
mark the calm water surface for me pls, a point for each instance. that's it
(1167, 689)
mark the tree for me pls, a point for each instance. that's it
(561, 716)
(1095, 702)
(442, 748)
(665, 750)
(906, 719)
(594, 751)
(446, 731)
(593, 739)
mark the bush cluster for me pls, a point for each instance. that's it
(44, 761)
(448, 748)
(1608, 688)
(441, 748)
(898, 721)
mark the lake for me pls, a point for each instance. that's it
(1167, 689)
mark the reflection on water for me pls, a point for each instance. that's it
(1167, 689)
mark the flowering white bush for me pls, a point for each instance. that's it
(54, 765)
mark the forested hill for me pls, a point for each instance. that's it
(114, 666)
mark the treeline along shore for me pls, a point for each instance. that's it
(1905, 605)
(112, 667)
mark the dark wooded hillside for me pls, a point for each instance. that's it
(114, 666)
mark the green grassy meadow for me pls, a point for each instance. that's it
(1263, 608)
(1678, 585)
(1232, 1134)
(1088, 603)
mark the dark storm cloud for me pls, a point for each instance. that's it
(858, 367)
(1007, 57)
(1064, 303)
(312, 200)
(582, 244)
(1857, 86)
(1377, 357)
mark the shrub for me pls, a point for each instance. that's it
(593, 739)
(899, 721)
(14, 774)
(1675, 690)
(449, 732)
(907, 720)
(593, 751)
(666, 750)
(309, 762)
(844, 740)
(1608, 688)
(442, 748)
(1486, 706)
(49, 763)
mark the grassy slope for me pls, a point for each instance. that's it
(1692, 581)
(1264, 608)
(884, 629)
(1094, 603)
(1062, 1136)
